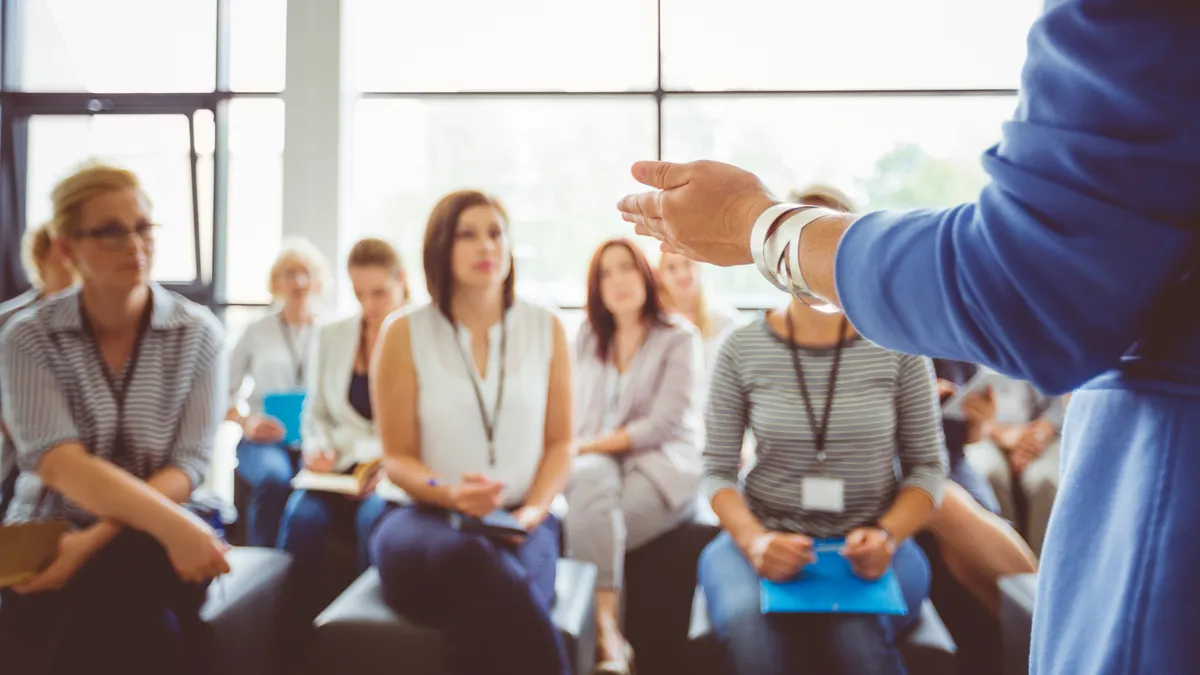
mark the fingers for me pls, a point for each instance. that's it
(856, 543)
(641, 207)
(662, 175)
(474, 478)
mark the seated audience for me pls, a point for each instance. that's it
(1019, 454)
(638, 465)
(272, 353)
(684, 295)
(49, 273)
(978, 409)
(968, 545)
(339, 430)
(122, 391)
(831, 413)
(473, 400)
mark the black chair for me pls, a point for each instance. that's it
(360, 635)
(243, 610)
(660, 579)
(1017, 598)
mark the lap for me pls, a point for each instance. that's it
(259, 462)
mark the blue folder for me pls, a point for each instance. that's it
(286, 407)
(829, 586)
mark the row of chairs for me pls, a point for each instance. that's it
(358, 634)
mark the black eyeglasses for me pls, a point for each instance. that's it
(113, 237)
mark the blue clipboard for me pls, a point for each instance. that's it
(829, 586)
(287, 407)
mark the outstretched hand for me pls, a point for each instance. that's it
(702, 210)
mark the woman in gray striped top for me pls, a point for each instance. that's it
(832, 414)
(113, 392)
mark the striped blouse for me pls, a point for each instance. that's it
(885, 409)
(57, 393)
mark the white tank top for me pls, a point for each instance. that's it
(453, 436)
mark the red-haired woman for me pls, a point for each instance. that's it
(638, 465)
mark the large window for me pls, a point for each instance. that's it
(546, 103)
(186, 94)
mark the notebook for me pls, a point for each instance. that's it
(28, 548)
(287, 407)
(499, 524)
(829, 586)
(341, 483)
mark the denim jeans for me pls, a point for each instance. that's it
(780, 644)
(268, 468)
(492, 600)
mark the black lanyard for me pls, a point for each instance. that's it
(119, 395)
(489, 423)
(819, 432)
(297, 356)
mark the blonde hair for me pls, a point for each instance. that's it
(824, 195)
(300, 251)
(34, 249)
(72, 192)
(372, 252)
(702, 320)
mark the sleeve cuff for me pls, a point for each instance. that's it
(933, 485)
(194, 468)
(711, 485)
(28, 460)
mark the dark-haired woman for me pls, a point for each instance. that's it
(473, 400)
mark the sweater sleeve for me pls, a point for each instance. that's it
(1089, 216)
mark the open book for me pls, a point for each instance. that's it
(353, 484)
(28, 548)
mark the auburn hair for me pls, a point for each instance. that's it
(603, 323)
(439, 245)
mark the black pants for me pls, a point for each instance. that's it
(125, 612)
(7, 487)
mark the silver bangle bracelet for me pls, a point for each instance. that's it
(784, 247)
(759, 238)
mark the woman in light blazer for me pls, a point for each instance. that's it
(638, 466)
(339, 432)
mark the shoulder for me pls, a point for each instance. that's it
(336, 328)
(533, 312)
(8, 308)
(677, 331)
(31, 325)
(199, 321)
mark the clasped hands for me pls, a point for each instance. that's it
(477, 496)
(780, 556)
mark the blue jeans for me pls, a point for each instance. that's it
(778, 644)
(269, 469)
(491, 600)
(975, 484)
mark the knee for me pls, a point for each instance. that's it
(595, 474)
(306, 511)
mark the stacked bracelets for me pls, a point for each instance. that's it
(775, 246)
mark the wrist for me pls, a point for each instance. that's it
(888, 532)
(746, 536)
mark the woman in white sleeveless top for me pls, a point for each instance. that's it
(473, 395)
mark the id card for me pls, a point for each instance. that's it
(819, 493)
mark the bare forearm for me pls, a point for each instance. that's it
(173, 483)
(736, 518)
(109, 492)
(411, 475)
(612, 444)
(909, 513)
(818, 250)
(552, 476)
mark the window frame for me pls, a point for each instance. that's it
(17, 106)
(661, 93)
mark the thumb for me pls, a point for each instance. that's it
(662, 175)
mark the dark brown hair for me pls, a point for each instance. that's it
(372, 252)
(439, 242)
(601, 320)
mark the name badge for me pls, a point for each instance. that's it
(822, 494)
